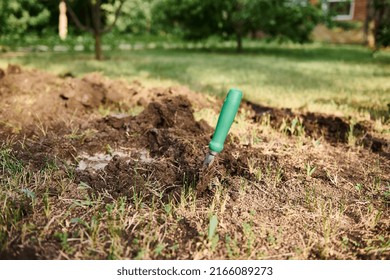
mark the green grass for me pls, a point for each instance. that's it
(342, 80)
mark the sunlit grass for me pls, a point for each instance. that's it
(341, 80)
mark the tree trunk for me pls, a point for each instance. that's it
(98, 46)
(377, 22)
(253, 34)
(97, 28)
(369, 39)
(239, 42)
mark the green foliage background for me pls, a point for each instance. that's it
(196, 19)
(19, 17)
(283, 20)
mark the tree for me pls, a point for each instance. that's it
(196, 19)
(191, 19)
(19, 17)
(95, 24)
(136, 16)
(378, 18)
(292, 20)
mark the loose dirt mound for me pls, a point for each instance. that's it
(165, 131)
(158, 151)
(31, 98)
(165, 146)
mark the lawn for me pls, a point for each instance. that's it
(91, 168)
(341, 80)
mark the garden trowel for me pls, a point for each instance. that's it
(225, 120)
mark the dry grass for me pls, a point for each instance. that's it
(306, 202)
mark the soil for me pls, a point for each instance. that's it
(31, 97)
(160, 152)
(320, 126)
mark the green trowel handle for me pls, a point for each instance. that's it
(225, 120)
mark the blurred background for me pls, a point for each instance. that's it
(328, 56)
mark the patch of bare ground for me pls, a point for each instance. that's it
(330, 128)
(83, 177)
